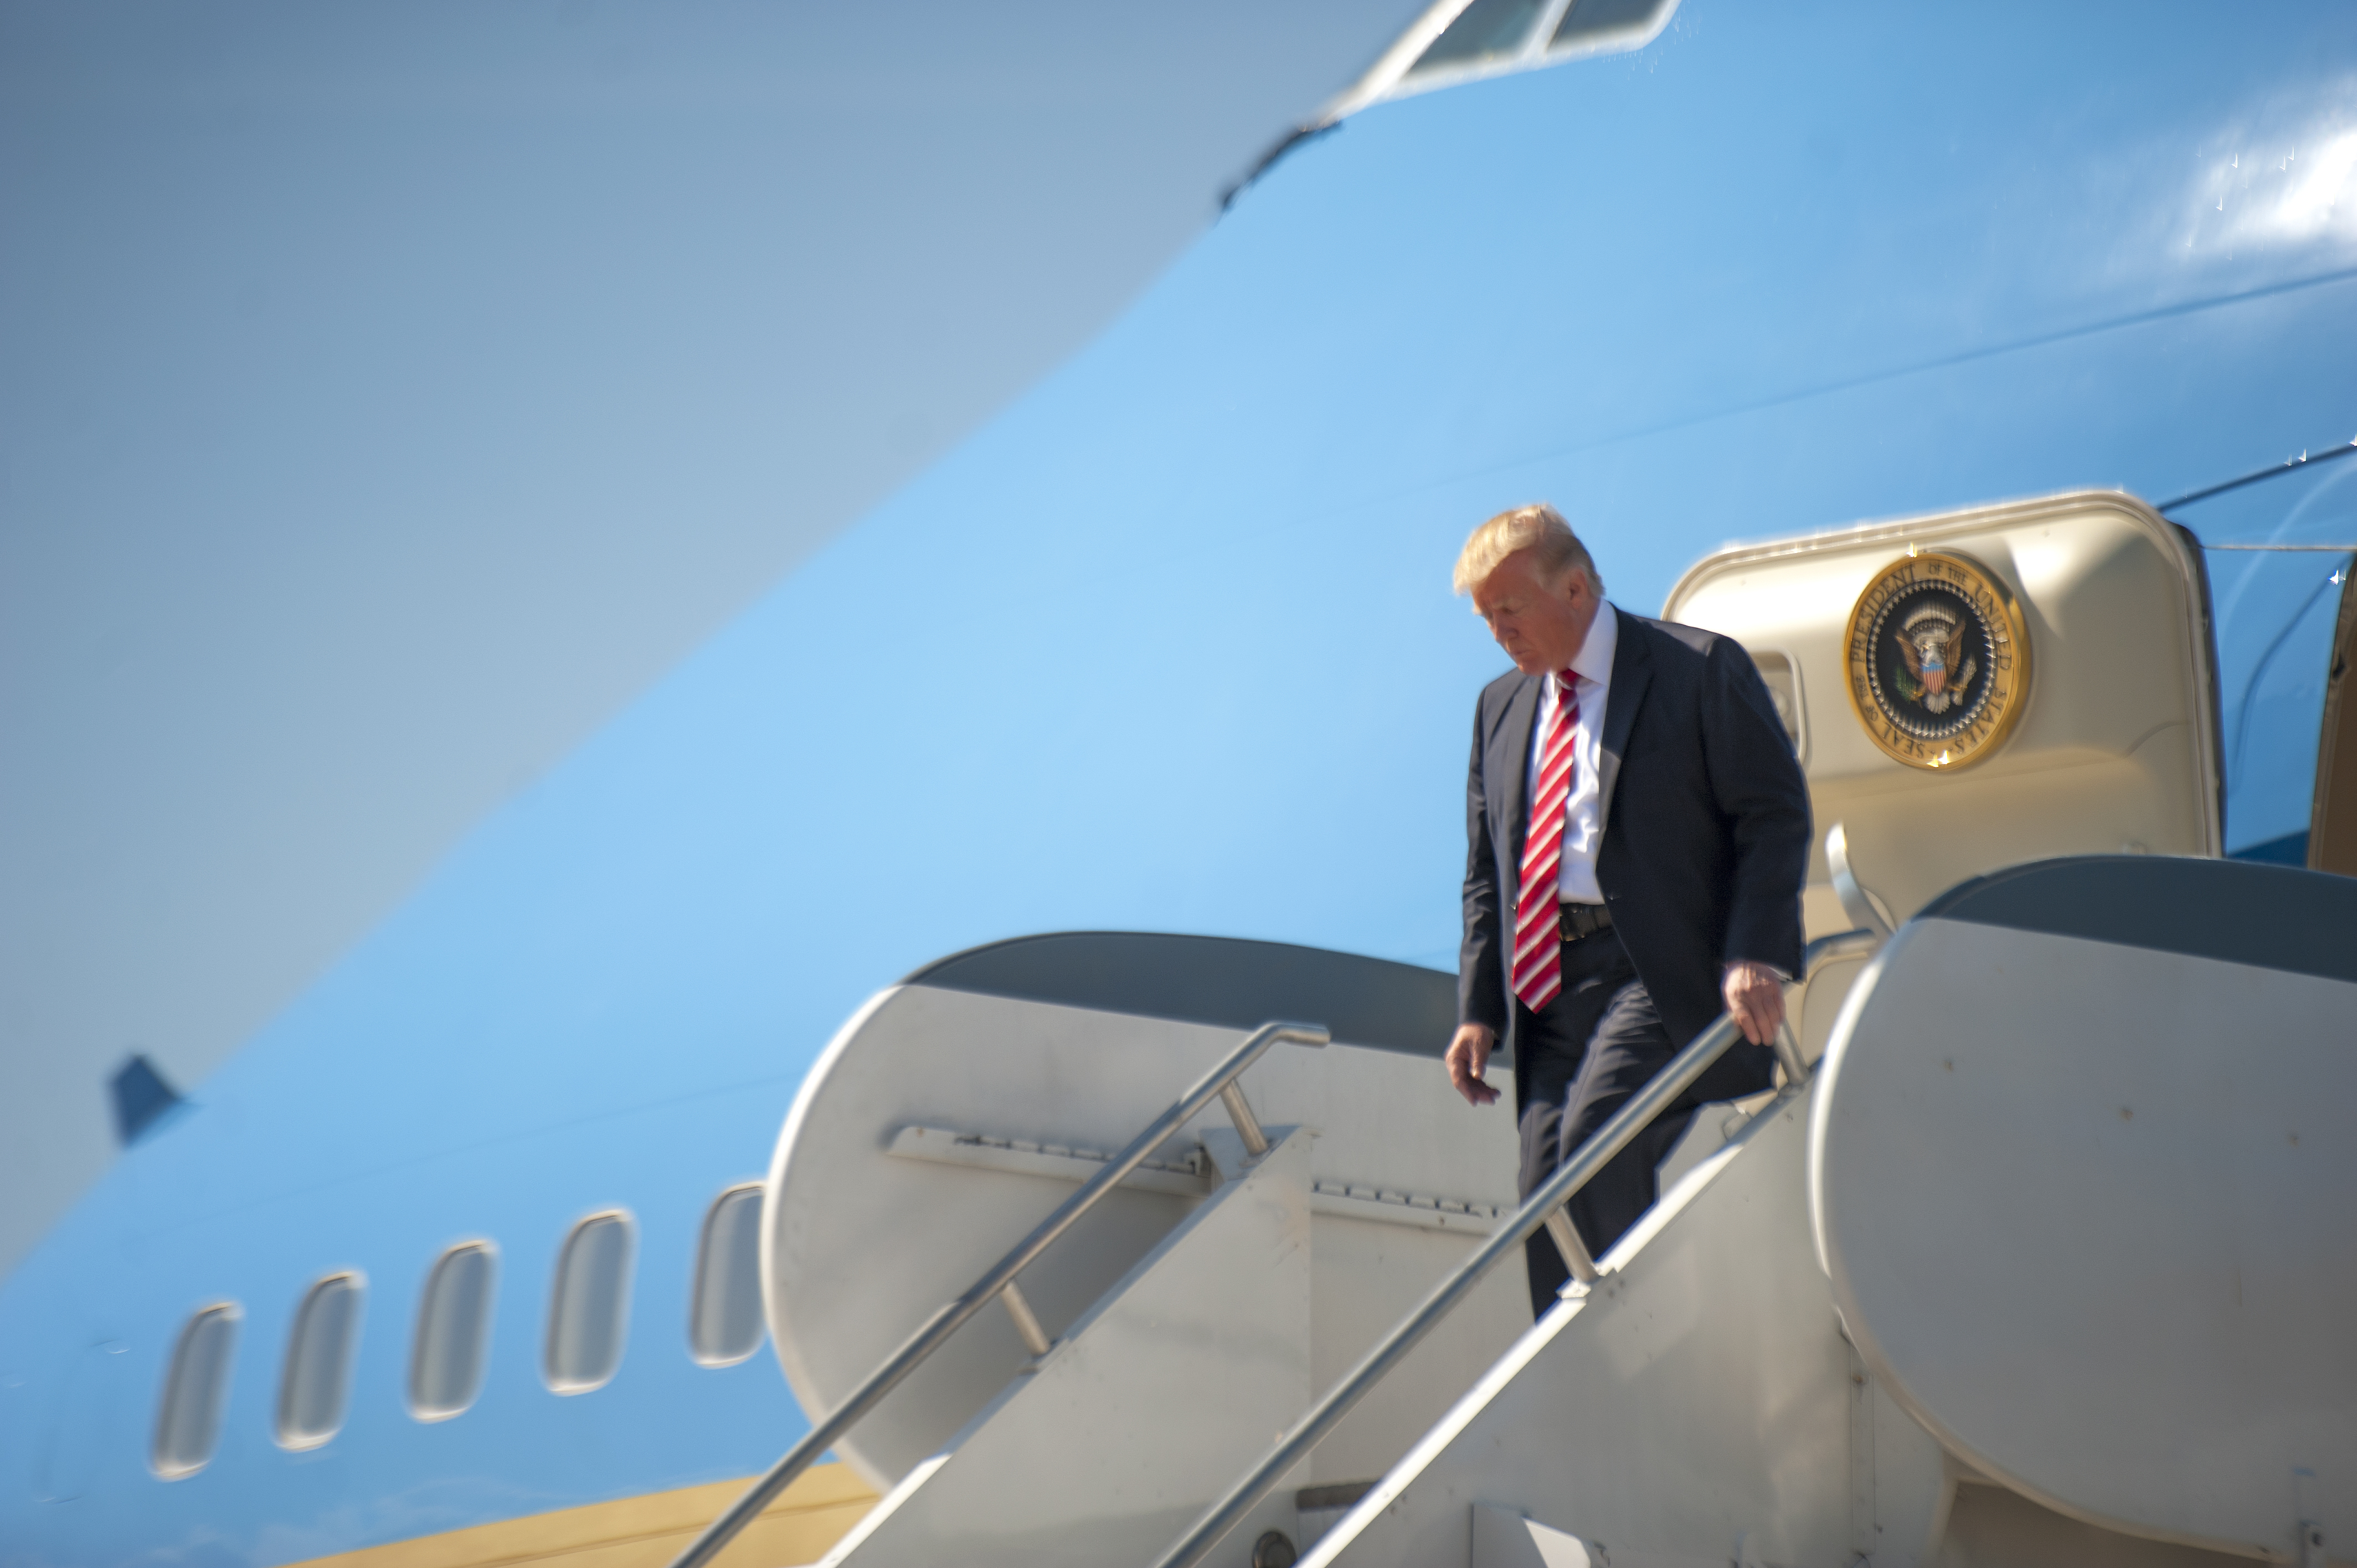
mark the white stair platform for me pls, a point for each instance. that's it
(1697, 1404)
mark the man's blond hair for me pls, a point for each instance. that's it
(1539, 528)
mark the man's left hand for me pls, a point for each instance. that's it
(1755, 995)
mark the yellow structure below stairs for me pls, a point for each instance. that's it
(646, 1531)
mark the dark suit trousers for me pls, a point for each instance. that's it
(1578, 1061)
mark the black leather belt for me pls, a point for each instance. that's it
(1583, 921)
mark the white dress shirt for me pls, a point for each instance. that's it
(1583, 825)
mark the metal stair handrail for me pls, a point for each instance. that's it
(1220, 1083)
(1640, 1109)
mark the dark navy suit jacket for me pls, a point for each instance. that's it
(1705, 834)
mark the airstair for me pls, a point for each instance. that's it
(2047, 1265)
(2043, 1251)
(1222, 1252)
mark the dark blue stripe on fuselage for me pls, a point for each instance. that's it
(2289, 850)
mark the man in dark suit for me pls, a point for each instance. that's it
(1637, 834)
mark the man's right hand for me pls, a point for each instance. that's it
(1468, 1058)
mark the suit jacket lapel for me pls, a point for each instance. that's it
(1512, 750)
(1632, 672)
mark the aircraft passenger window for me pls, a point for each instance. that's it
(1487, 29)
(454, 1332)
(196, 1390)
(317, 1384)
(723, 1322)
(589, 1307)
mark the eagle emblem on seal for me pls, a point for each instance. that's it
(1924, 640)
(1937, 656)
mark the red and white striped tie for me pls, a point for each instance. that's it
(1538, 936)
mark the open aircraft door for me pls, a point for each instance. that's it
(2332, 823)
(1974, 689)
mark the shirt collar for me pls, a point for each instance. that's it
(1594, 660)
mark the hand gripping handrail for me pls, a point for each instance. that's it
(1220, 1083)
(1591, 1156)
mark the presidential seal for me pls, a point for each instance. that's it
(1937, 659)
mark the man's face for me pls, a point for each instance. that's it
(1540, 625)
